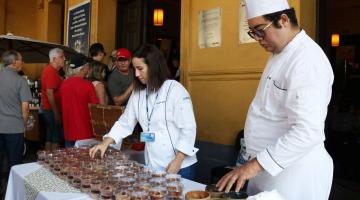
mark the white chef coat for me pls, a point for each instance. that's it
(175, 133)
(284, 128)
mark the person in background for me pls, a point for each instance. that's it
(96, 76)
(120, 83)
(164, 110)
(97, 52)
(76, 94)
(284, 129)
(111, 65)
(14, 110)
(51, 99)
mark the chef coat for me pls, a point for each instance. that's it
(172, 121)
(284, 128)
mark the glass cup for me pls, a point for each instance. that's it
(126, 182)
(41, 156)
(142, 177)
(157, 182)
(122, 194)
(142, 186)
(106, 191)
(141, 195)
(175, 189)
(158, 193)
(158, 174)
(85, 182)
(76, 180)
(95, 185)
(173, 177)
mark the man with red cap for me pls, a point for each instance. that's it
(120, 83)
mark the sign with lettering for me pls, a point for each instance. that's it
(78, 27)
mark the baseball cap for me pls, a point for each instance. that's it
(123, 53)
(78, 60)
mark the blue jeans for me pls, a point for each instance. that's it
(188, 172)
(54, 131)
(11, 147)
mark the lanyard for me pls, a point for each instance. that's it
(147, 108)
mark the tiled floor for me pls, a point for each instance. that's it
(341, 189)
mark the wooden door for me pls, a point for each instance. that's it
(130, 23)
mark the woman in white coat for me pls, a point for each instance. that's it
(164, 110)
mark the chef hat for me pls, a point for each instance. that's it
(255, 8)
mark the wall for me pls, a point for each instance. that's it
(55, 25)
(308, 20)
(102, 24)
(32, 20)
(24, 15)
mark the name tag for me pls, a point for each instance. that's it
(147, 137)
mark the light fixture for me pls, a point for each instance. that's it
(335, 40)
(158, 17)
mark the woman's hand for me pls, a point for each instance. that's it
(175, 165)
(101, 147)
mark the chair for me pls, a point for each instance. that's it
(103, 118)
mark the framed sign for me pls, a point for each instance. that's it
(244, 26)
(210, 28)
(78, 27)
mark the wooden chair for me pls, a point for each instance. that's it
(103, 118)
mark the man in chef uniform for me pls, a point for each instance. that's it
(284, 129)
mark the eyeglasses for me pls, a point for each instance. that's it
(260, 34)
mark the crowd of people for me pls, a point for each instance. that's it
(284, 129)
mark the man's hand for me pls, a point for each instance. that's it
(239, 175)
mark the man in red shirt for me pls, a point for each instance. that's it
(50, 99)
(77, 93)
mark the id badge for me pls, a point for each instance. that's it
(147, 137)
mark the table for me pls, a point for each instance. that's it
(16, 188)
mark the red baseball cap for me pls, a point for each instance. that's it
(123, 53)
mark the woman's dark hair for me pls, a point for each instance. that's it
(158, 71)
(96, 71)
(275, 17)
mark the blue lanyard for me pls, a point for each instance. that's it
(147, 108)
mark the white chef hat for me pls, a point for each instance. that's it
(255, 8)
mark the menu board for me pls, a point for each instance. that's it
(210, 28)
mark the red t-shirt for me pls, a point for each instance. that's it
(76, 94)
(50, 79)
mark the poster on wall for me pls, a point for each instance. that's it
(244, 26)
(210, 28)
(78, 27)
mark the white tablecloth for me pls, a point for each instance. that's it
(16, 189)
